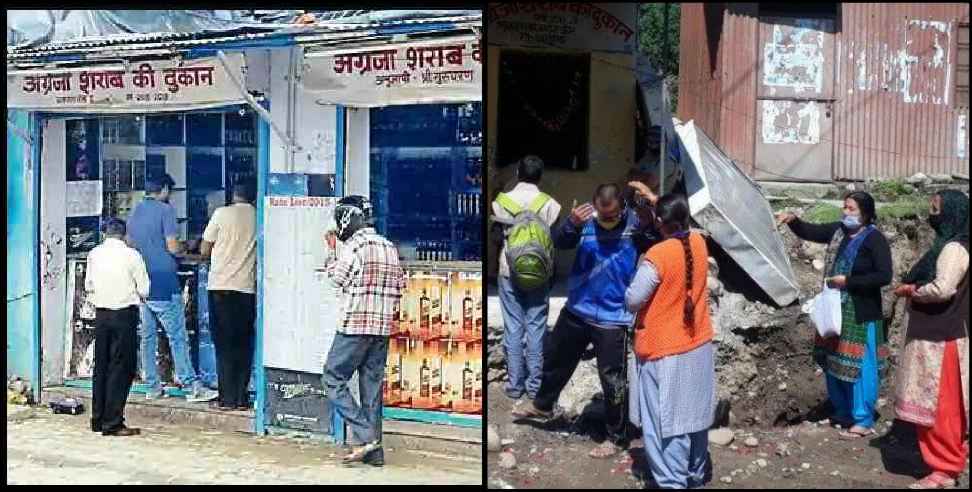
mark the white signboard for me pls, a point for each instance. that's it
(139, 86)
(576, 25)
(417, 73)
(84, 198)
(299, 329)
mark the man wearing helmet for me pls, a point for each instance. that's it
(367, 272)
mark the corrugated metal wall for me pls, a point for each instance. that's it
(895, 78)
(896, 113)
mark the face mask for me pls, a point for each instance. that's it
(851, 221)
(609, 224)
(935, 221)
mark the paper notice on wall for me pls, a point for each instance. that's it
(84, 198)
(299, 328)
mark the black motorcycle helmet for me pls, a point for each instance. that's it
(351, 214)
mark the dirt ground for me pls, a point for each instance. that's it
(767, 379)
(806, 455)
(43, 448)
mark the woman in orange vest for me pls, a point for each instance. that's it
(673, 335)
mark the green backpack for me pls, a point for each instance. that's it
(529, 249)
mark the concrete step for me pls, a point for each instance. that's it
(415, 436)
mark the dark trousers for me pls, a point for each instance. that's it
(116, 353)
(366, 354)
(562, 351)
(234, 336)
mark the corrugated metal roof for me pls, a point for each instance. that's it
(323, 31)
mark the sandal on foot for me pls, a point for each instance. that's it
(605, 450)
(936, 480)
(359, 455)
(859, 433)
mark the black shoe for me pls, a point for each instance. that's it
(123, 432)
(95, 427)
(375, 458)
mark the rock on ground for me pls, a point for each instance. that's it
(722, 436)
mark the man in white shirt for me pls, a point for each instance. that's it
(117, 283)
(230, 239)
(524, 313)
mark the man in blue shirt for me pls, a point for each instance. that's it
(609, 238)
(152, 230)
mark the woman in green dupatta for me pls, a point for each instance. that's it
(859, 264)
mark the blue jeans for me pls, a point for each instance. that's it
(366, 354)
(524, 323)
(854, 402)
(173, 318)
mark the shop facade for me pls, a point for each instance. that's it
(561, 85)
(83, 137)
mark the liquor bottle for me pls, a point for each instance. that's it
(435, 392)
(425, 381)
(398, 379)
(468, 306)
(478, 315)
(435, 313)
(468, 380)
(425, 314)
(478, 387)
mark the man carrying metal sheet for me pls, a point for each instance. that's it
(369, 275)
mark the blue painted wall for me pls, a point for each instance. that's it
(22, 216)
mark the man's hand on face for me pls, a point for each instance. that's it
(330, 238)
(581, 214)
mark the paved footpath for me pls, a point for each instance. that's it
(43, 448)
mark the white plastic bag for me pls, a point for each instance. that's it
(825, 312)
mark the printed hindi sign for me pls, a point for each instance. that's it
(411, 74)
(165, 85)
(576, 25)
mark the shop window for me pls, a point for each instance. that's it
(204, 130)
(426, 179)
(165, 130)
(122, 131)
(544, 108)
(962, 68)
(82, 149)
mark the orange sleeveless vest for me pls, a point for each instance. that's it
(662, 327)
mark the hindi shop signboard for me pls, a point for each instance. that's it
(576, 25)
(143, 86)
(412, 74)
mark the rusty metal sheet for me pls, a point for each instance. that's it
(897, 115)
(793, 140)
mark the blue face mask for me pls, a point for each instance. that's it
(851, 221)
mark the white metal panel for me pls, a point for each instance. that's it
(301, 307)
(53, 250)
(357, 167)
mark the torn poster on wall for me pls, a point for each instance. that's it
(795, 57)
(920, 71)
(786, 122)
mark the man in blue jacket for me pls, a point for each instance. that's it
(609, 238)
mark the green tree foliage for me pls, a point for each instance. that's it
(652, 36)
